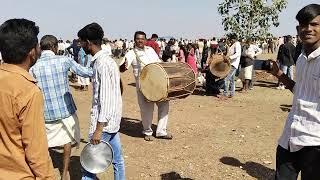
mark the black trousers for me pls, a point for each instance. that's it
(306, 160)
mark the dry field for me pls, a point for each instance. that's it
(213, 139)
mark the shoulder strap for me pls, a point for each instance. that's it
(137, 57)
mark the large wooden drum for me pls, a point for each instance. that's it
(167, 81)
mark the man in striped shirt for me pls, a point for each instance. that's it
(299, 145)
(106, 108)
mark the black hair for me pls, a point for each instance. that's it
(17, 38)
(233, 36)
(92, 32)
(139, 33)
(154, 36)
(308, 13)
(48, 42)
(289, 38)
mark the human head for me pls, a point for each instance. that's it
(91, 38)
(154, 36)
(249, 41)
(139, 39)
(104, 41)
(49, 42)
(309, 26)
(19, 42)
(233, 38)
(289, 38)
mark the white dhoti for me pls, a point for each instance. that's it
(246, 73)
(63, 131)
(146, 111)
(83, 81)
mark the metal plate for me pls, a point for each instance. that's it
(96, 158)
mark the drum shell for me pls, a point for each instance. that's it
(167, 81)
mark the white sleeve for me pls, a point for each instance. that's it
(129, 58)
(237, 53)
(153, 55)
(108, 92)
(258, 50)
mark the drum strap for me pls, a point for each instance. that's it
(137, 57)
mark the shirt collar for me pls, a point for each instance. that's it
(140, 49)
(18, 70)
(99, 53)
(315, 54)
(47, 53)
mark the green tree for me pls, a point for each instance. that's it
(251, 18)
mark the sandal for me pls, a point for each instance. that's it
(148, 138)
(168, 136)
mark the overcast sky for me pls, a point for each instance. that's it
(121, 18)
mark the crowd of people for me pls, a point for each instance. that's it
(38, 111)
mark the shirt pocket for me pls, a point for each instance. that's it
(316, 85)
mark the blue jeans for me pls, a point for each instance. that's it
(229, 80)
(118, 161)
(288, 70)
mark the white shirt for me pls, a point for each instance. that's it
(107, 48)
(302, 127)
(200, 44)
(235, 54)
(106, 100)
(119, 44)
(214, 42)
(66, 45)
(146, 56)
(61, 46)
(131, 45)
(253, 51)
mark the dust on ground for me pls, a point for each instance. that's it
(213, 139)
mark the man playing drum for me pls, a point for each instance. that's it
(139, 57)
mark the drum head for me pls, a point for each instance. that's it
(218, 67)
(96, 158)
(154, 82)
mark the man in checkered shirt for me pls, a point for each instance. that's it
(51, 72)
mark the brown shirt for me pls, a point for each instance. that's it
(23, 141)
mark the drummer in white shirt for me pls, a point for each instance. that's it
(138, 57)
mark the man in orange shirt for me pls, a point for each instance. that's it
(23, 140)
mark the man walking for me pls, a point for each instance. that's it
(61, 120)
(138, 57)
(106, 108)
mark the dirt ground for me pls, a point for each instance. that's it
(213, 139)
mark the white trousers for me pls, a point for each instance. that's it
(146, 111)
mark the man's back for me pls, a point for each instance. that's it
(51, 72)
(22, 126)
(288, 54)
